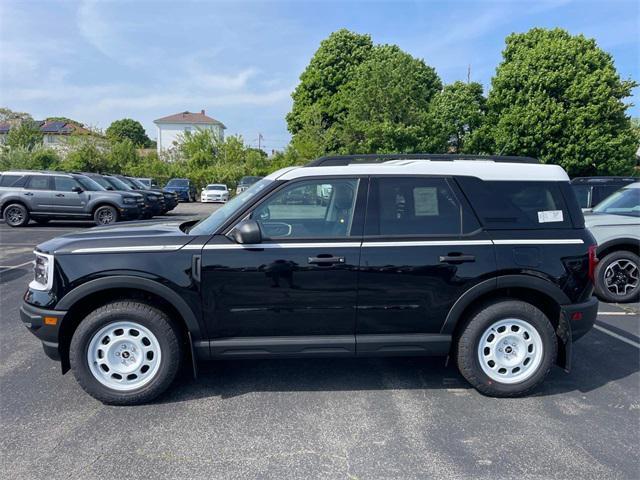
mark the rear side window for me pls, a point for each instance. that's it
(506, 205)
(39, 182)
(412, 206)
(11, 180)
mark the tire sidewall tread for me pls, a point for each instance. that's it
(466, 348)
(601, 290)
(148, 316)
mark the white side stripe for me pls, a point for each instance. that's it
(533, 241)
(417, 243)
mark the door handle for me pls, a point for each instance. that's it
(29, 194)
(59, 194)
(457, 258)
(326, 260)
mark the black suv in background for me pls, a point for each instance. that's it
(486, 261)
(44, 196)
(169, 198)
(154, 201)
(590, 191)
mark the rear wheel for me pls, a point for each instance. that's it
(617, 277)
(105, 215)
(125, 353)
(16, 215)
(507, 348)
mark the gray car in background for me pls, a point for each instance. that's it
(615, 224)
(44, 196)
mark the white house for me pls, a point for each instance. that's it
(169, 128)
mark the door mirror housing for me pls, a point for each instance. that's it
(77, 189)
(110, 188)
(247, 232)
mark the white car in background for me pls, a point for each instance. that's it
(215, 192)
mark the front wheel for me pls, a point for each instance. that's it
(617, 277)
(105, 215)
(507, 348)
(125, 353)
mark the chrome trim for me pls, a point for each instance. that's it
(141, 248)
(427, 243)
(533, 241)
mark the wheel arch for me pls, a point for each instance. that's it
(11, 201)
(625, 243)
(95, 293)
(104, 203)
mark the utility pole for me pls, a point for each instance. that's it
(469, 74)
(260, 138)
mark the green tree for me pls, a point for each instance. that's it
(85, 155)
(330, 68)
(457, 112)
(25, 135)
(388, 103)
(559, 98)
(130, 129)
(6, 114)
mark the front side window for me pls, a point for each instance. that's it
(309, 209)
(622, 202)
(64, 184)
(412, 206)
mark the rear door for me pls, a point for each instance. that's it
(422, 249)
(39, 192)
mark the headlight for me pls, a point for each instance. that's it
(129, 200)
(42, 272)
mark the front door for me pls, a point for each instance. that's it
(296, 292)
(67, 201)
(422, 248)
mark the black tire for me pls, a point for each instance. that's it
(145, 315)
(16, 215)
(468, 344)
(610, 269)
(105, 215)
(41, 221)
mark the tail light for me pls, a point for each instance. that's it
(593, 261)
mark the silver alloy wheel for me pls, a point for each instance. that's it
(510, 351)
(105, 216)
(14, 215)
(621, 277)
(124, 356)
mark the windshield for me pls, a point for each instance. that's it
(248, 180)
(102, 182)
(210, 224)
(144, 181)
(623, 202)
(178, 182)
(216, 187)
(88, 184)
(117, 183)
(137, 183)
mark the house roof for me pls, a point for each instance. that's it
(189, 117)
(53, 127)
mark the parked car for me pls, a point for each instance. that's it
(147, 182)
(486, 261)
(154, 204)
(170, 197)
(184, 187)
(111, 186)
(615, 224)
(592, 190)
(44, 196)
(246, 182)
(215, 192)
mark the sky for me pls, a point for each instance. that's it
(97, 62)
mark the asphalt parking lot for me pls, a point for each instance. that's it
(329, 418)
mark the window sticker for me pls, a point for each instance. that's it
(547, 216)
(425, 201)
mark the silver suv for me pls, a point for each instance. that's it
(44, 196)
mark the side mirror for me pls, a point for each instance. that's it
(247, 233)
(77, 189)
(109, 188)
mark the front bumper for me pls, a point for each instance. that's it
(131, 212)
(44, 324)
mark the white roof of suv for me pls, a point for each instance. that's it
(483, 169)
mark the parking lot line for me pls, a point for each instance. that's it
(617, 313)
(12, 267)
(619, 337)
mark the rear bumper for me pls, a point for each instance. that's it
(580, 316)
(45, 325)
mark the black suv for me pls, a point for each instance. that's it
(484, 261)
(590, 191)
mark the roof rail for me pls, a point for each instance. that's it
(339, 160)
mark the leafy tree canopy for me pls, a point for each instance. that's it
(457, 112)
(128, 128)
(7, 114)
(25, 135)
(559, 98)
(388, 102)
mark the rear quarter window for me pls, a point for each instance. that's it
(507, 205)
(12, 180)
